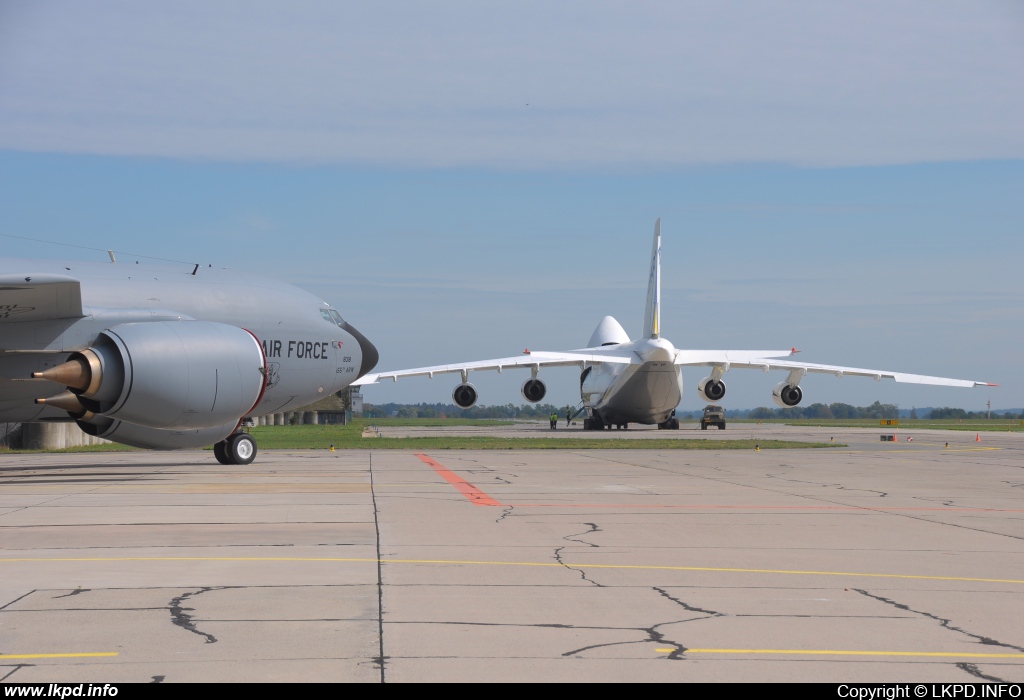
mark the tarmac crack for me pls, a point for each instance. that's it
(15, 669)
(653, 635)
(72, 593)
(592, 527)
(941, 620)
(182, 619)
(581, 572)
(686, 606)
(7, 605)
(381, 660)
(506, 511)
(974, 671)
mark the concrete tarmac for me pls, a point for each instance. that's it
(898, 562)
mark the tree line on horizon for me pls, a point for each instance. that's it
(814, 411)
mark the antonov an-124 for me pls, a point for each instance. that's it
(626, 381)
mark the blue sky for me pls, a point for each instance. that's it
(468, 180)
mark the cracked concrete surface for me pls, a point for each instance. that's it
(596, 565)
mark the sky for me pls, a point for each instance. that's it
(465, 180)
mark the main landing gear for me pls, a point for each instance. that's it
(595, 423)
(671, 423)
(239, 448)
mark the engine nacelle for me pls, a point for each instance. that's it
(465, 395)
(534, 390)
(710, 390)
(186, 374)
(155, 438)
(787, 396)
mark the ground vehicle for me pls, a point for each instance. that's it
(713, 415)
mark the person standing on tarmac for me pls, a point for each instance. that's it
(554, 420)
(568, 416)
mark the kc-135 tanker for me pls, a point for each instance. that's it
(166, 357)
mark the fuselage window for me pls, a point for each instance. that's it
(337, 318)
(326, 315)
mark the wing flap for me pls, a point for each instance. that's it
(39, 297)
(766, 364)
(533, 359)
(725, 357)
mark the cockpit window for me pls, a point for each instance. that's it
(332, 316)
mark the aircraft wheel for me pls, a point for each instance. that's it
(675, 424)
(241, 448)
(220, 451)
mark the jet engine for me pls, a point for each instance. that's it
(710, 390)
(787, 396)
(154, 438)
(178, 375)
(533, 390)
(465, 395)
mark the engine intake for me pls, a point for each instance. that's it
(710, 390)
(787, 396)
(465, 395)
(187, 374)
(534, 390)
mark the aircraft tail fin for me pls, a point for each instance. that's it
(652, 315)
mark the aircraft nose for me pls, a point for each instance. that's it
(368, 351)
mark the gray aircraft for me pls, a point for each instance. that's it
(163, 356)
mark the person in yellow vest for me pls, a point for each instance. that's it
(554, 420)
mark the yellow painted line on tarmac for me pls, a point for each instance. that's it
(79, 655)
(543, 564)
(842, 652)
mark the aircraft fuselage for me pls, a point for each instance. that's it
(310, 351)
(644, 393)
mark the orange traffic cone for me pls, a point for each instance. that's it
(977, 437)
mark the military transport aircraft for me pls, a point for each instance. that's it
(166, 357)
(626, 381)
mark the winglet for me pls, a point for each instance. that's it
(793, 351)
(652, 314)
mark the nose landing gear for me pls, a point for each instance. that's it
(238, 449)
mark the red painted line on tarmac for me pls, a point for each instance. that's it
(872, 509)
(475, 495)
(479, 498)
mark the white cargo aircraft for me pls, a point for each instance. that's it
(640, 381)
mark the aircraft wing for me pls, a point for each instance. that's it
(526, 360)
(42, 297)
(766, 363)
(697, 358)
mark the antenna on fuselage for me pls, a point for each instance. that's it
(652, 314)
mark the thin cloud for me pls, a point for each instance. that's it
(575, 85)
